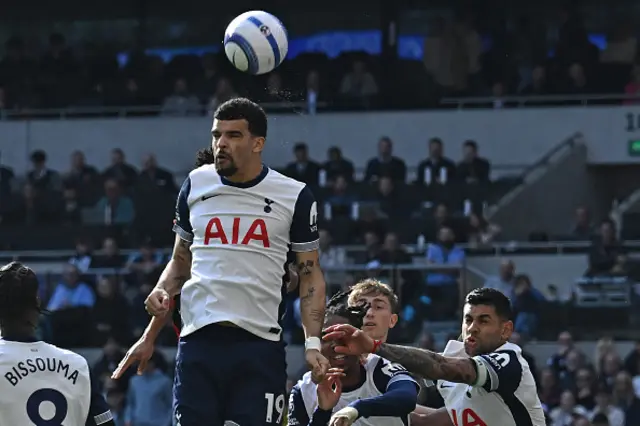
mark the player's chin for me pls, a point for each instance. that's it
(227, 169)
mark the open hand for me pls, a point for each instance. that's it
(351, 340)
(330, 389)
(140, 352)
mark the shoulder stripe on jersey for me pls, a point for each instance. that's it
(304, 247)
(101, 419)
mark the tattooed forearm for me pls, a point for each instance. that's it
(312, 293)
(178, 270)
(429, 364)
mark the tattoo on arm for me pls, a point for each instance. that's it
(429, 364)
(304, 268)
(178, 270)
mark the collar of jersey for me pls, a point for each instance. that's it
(363, 379)
(248, 184)
(21, 339)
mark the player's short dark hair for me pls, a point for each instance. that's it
(338, 305)
(435, 141)
(491, 297)
(244, 109)
(471, 144)
(18, 293)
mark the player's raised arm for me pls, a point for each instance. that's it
(305, 242)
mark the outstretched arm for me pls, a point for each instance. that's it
(430, 364)
(312, 293)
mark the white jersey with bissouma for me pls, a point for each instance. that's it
(380, 373)
(505, 394)
(44, 385)
(241, 234)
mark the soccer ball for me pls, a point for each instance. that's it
(256, 42)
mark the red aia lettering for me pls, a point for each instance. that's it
(469, 418)
(257, 232)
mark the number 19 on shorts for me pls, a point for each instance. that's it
(275, 407)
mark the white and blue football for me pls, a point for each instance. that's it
(256, 42)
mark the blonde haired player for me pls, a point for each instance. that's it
(484, 380)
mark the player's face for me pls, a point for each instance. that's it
(346, 362)
(483, 331)
(233, 145)
(379, 317)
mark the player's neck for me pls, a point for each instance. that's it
(353, 378)
(242, 176)
(26, 332)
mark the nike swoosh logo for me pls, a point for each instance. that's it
(445, 386)
(206, 197)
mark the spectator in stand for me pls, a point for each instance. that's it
(337, 165)
(111, 355)
(146, 260)
(224, 92)
(120, 170)
(115, 397)
(370, 221)
(539, 85)
(302, 168)
(481, 233)
(385, 164)
(605, 250)
(359, 84)
(110, 256)
(149, 398)
(391, 200)
(578, 83)
(441, 217)
(526, 306)
(583, 229)
(603, 407)
(611, 366)
(181, 102)
(71, 213)
(622, 45)
(564, 414)
(585, 388)
(71, 292)
(549, 390)
(275, 91)
(632, 360)
(108, 314)
(313, 93)
(442, 286)
(625, 398)
(557, 361)
(599, 420)
(330, 256)
(372, 246)
(573, 362)
(80, 174)
(604, 347)
(153, 176)
(34, 206)
(505, 280)
(436, 168)
(633, 87)
(82, 258)
(41, 177)
(114, 208)
(206, 85)
(341, 198)
(473, 168)
(132, 95)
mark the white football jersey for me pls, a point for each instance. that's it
(506, 394)
(45, 385)
(380, 373)
(241, 235)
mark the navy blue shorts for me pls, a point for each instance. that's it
(226, 374)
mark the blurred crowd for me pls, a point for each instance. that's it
(520, 58)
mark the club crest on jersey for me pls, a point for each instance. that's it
(267, 208)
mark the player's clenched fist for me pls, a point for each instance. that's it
(158, 302)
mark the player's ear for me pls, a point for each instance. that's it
(507, 330)
(393, 320)
(258, 144)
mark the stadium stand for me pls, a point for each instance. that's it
(387, 211)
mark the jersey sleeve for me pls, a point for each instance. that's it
(181, 222)
(304, 226)
(99, 412)
(499, 371)
(297, 415)
(387, 373)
